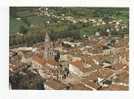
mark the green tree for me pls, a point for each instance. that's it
(23, 30)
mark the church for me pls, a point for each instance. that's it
(49, 52)
(48, 60)
(48, 55)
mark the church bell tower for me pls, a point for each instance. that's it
(48, 48)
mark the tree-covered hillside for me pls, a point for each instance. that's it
(29, 24)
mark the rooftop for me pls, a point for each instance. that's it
(55, 84)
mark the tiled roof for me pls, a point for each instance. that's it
(78, 64)
(79, 86)
(115, 87)
(123, 76)
(38, 59)
(93, 76)
(88, 60)
(55, 84)
(42, 61)
(105, 72)
(51, 62)
(118, 66)
(90, 84)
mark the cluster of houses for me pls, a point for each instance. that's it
(95, 63)
(112, 24)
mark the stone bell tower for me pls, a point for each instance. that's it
(48, 48)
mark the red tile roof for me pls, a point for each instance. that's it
(118, 66)
(90, 84)
(38, 59)
(115, 87)
(55, 84)
(51, 62)
(42, 61)
(105, 72)
(78, 64)
(93, 76)
(123, 76)
(79, 86)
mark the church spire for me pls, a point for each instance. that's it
(47, 47)
(47, 38)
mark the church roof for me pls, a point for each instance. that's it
(51, 62)
(40, 60)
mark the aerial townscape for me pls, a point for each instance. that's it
(55, 48)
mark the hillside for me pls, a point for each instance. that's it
(29, 24)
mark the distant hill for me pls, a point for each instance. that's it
(28, 24)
